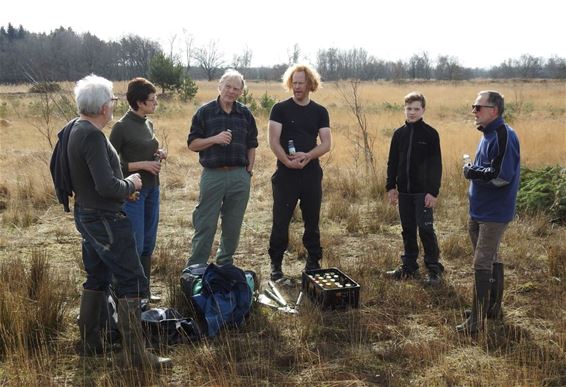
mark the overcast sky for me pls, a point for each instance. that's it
(479, 33)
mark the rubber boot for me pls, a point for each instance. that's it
(480, 303)
(90, 326)
(496, 296)
(134, 353)
(494, 310)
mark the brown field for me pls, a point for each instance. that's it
(402, 334)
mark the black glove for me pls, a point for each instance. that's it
(474, 172)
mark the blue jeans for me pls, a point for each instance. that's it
(224, 194)
(144, 216)
(109, 253)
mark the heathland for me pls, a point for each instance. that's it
(402, 333)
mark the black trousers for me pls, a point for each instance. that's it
(289, 187)
(414, 215)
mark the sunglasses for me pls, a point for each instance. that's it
(479, 107)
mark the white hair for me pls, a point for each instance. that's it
(92, 93)
(229, 75)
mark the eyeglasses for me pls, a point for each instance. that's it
(112, 101)
(151, 100)
(479, 107)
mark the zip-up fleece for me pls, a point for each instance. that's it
(495, 174)
(415, 161)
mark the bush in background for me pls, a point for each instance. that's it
(543, 191)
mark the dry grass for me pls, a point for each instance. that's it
(402, 333)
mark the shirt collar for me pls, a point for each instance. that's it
(492, 125)
(236, 108)
(133, 116)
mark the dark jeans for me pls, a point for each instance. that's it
(414, 215)
(290, 186)
(109, 253)
(144, 216)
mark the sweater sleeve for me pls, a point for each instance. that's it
(105, 183)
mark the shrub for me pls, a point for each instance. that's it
(45, 87)
(266, 102)
(543, 190)
(187, 90)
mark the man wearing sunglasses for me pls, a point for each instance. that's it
(494, 182)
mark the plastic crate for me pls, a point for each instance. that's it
(331, 288)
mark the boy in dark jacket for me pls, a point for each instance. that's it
(414, 171)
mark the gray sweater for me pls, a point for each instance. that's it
(134, 140)
(95, 169)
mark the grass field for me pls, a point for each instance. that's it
(402, 334)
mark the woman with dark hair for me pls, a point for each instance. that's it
(134, 139)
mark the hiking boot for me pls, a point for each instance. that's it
(312, 264)
(401, 273)
(432, 279)
(276, 272)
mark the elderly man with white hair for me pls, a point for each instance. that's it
(224, 133)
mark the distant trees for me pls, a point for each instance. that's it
(209, 59)
(63, 54)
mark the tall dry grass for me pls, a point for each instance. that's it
(402, 333)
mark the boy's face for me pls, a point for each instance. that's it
(413, 111)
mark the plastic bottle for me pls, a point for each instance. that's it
(291, 147)
(467, 159)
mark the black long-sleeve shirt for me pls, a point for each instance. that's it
(415, 161)
(95, 169)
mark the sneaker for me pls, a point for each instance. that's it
(276, 275)
(312, 264)
(432, 279)
(401, 273)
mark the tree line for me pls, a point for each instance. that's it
(64, 55)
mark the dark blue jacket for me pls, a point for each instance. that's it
(225, 298)
(59, 167)
(495, 174)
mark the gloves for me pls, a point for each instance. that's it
(474, 172)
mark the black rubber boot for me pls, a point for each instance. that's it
(90, 326)
(482, 286)
(134, 353)
(496, 296)
(494, 310)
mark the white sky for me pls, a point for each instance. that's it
(480, 33)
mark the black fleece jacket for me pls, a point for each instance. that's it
(415, 162)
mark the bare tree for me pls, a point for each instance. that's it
(172, 45)
(419, 66)
(209, 59)
(189, 40)
(362, 139)
(294, 53)
(243, 62)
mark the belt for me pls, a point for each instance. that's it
(228, 168)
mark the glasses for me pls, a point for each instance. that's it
(479, 107)
(151, 100)
(112, 101)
